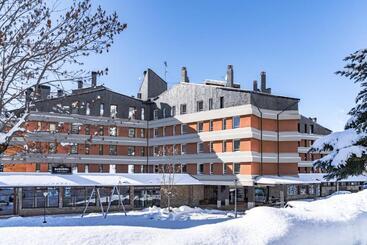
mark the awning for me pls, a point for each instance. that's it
(91, 179)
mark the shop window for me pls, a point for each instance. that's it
(131, 151)
(236, 145)
(113, 150)
(113, 111)
(183, 109)
(292, 190)
(78, 197)
(311, 189)
(33, 197)
(303, 190)
(199, 106)
(147, 197)
(113, 131)
(236, 122)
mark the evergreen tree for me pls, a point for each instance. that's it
(348, 149)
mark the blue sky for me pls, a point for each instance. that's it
(300, 44)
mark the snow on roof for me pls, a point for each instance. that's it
(304, 179)
(91, 179)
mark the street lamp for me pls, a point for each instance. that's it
(45, 194)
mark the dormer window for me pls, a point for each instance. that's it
(113, 110)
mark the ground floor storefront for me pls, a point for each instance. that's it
(28, 194)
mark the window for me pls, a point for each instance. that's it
(306, 131)
(224, 146)
(173, 111)
(101, 131)
(113, 150)
(87, 109)
(142, 116)
(75, 107)
(292, 190)
(75, 127)
(183, 149)
(224, 124)
(200, 105)
(164, 112)
(311, 189)
(184, 168)
(100, 149)
(33, 197)
(142, 133)
(113, 131)
(236, 145)
(87, 149)
(183, 109)
(131, 113)
(236, 168)
(101, 109)
(52, 148)
(74, 149)
(211, 125)
(311, 128)
(113, 110)
(211, 104)
(184, 129)
(164, 131)
(142, 151)
(38, 167)
(200, 147)
(131, 150)
(221, 105)
(200, 127)
(211, 147)
(52, 127)
(201, 168)
(299, 127)
(155, 114)
(211, 168)
(131, 132)
(156, 132)
(87, 129)
(236, 122)
(224, 168)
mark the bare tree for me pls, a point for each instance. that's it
(168, 185)
(41, 42)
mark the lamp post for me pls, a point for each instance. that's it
(235, 198)
(45, 194)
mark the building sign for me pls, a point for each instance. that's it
(61, 170)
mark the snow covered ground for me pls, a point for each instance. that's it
(338, 219)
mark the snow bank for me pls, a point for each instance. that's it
(339, 219)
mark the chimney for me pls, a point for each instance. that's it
(263, 81)
(230, 76)
(94, 78)
(184, 77)
(42, 92)
(80, 84)
(255, 88)
(60, 93)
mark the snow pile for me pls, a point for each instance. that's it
(183, 213)
(339, 219)
(342, 146)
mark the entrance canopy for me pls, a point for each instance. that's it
(90, 179)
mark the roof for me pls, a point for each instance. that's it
(90, 179)
(304, 179)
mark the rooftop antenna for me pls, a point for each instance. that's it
(165, 71)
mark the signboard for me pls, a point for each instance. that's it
(61, 170)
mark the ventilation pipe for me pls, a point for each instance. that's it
(80, 84)
(94, 78)
(184, 77)
(230, 76)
